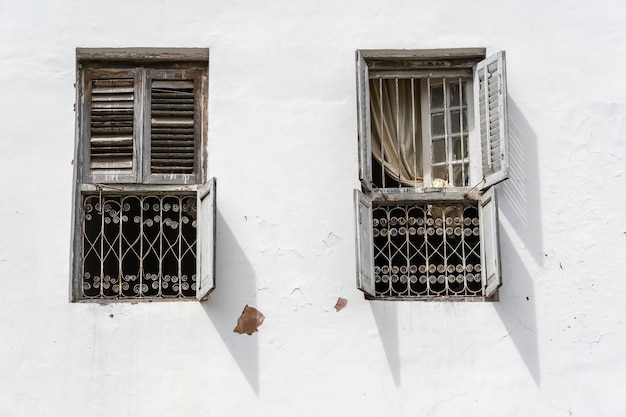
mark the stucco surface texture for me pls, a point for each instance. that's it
(283, 147)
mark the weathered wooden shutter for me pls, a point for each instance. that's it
(491, 115)
(364, 243)
(363, 100)
(205, 274)
(111, 124)
(172, 125)
(489, 242)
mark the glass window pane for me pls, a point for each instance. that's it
(455, 93)
(456, 149)
(440, 173)
(439, 151)
(437, 124)
(460, 180)
(455, 121)
(459, 153)
(436, 97)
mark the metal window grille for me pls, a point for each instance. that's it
(427, 250)
(137, 246)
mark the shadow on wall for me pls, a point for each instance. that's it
(520, 230)
(521, 234)
(386, 316)
(236, 287)
(516, 308)
(519, 196)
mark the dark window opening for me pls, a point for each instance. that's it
(139, 246)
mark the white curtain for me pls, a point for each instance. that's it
(396, 129)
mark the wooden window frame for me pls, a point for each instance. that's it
(468, 63)
(143, 64)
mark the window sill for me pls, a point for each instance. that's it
(445, 299)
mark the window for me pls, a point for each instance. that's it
(432, 145)
(144, 209)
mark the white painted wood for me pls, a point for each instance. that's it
(363, 115)
(491, 118)
(364, 243)
(447, 194)
(205, 273)
(427, 147)
(422, 73)
(489, 242)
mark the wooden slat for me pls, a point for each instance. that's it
(492, 116)
(173, 122)
(111, 164)
(172, 107)
(105, 140)
(112, 124)
(172, 84)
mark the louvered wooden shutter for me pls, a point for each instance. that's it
(489, 242)
(111, 125)
(491, 114)
(364, 243)
(172, 125)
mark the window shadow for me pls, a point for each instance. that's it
(520, 196)
(521, 239)
(235, 288)
(386, 317)
(516, 307)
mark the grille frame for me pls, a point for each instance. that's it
(420, 256)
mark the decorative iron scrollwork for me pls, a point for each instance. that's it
(427, 250)
(139, 246)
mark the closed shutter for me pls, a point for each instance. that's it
(364, 243)
(112, 100)
(205, 275)
(489, 242)
(172, 125)
(491, 115)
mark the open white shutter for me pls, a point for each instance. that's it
(363, 100)
(491, 117)
(205, 274)
(364, 243)
(489, 242)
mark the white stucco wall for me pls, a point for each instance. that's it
(283, 148)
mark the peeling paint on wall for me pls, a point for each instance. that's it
(340, 304)
(249, 321)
